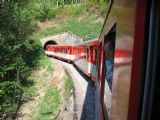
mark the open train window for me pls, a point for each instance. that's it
(109, 48)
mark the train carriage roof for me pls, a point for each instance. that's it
(94, 42)
(61, 46)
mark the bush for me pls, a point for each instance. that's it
(9, 96)
(70, 10)
(44, 10)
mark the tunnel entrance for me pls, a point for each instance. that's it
(50, 42)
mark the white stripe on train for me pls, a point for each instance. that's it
(91, 67)
(66, 56)
(122, 60)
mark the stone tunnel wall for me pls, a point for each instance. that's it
(61, 39)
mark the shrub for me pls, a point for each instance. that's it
(9, 96)
(44, 10)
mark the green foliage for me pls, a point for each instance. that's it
(15, 28)
(9, 96)
(68, 86)
(34, 52)
(99, 6)
(44, 10)
(29, 93)
(48, 106)
(16, 53)
(70, 10)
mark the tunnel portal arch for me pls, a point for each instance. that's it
(50, 42)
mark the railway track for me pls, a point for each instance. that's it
(84, 94)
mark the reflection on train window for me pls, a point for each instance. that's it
(109, 47)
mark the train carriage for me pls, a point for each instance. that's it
(61, 51)
(87, 63)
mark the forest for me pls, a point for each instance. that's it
(19, 52)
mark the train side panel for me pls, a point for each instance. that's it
(60, 52)
(86, 59)
(114, 86)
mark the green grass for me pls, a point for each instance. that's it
(70, 10)
(29, 92)
(86, 28)
(68, 86)
(38, 79)
(48, 106)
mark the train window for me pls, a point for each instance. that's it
(87, 54)
(109, 47)
(69, 51)
(94, 55)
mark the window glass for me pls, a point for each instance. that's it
(109, 47)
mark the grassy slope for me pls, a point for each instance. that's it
(85, 27)
(68, 86)
(48, 105)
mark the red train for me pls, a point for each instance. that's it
(123, 62)
(84, 55)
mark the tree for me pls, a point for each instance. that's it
(15, 27)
